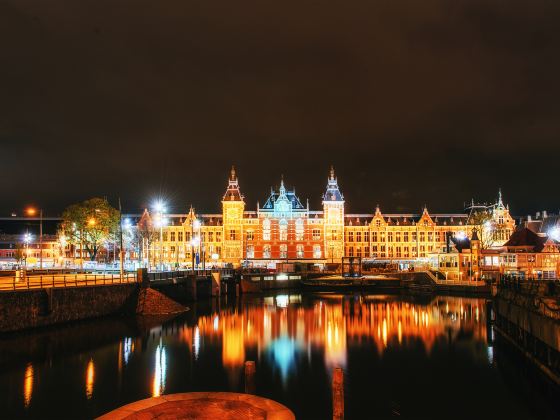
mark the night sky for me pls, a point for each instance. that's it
(414, 102)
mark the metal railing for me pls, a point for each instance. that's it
(32, 282)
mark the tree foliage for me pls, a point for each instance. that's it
(146, 234)
(19, 253)
(91, 224)
(483, 222)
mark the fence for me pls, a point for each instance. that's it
(27, 282)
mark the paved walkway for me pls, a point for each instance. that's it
(202, 406)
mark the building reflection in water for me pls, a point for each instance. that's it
(283, 327)
(128, 349)
(90, 378)
(160, 371)
(28, 385)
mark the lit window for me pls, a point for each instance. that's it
(250, 251)
(266, 251)
(283, 251)
(316, 234)
(299, 230)
(316, 251)
(266, 230)
(283, 230)
(299, 251)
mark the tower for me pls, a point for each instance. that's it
(333, 216)
(502, 223)
(475, 254)
(233, 207)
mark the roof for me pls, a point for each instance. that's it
(333, 192)
(232, 192)
(276, 198)
(406, 219)
(525, 237)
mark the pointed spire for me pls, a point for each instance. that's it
(333, 192)
(282, 188)
(232, 192)
(500, 201)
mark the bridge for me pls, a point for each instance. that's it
(33, 300)
(43, 279)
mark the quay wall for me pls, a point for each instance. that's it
(526, 316)
(20, 310)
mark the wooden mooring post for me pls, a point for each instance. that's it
(250, 370)
(338, 394)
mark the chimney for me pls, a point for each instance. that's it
(529, 218)
(544, 214)
(538, 215)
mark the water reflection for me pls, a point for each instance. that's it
(282, 327)
(160, 371)
(28, 385)
(90, 378)
(386, 345)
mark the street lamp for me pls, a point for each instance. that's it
(195, 241)
(27, 238)
(159, 208)
(31, 211)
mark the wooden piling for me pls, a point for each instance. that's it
(250, 370)
(338, 394)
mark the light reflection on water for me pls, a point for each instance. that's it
(296, 341)
(90, 378)
(28, 385)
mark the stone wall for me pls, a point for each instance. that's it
(20, 310)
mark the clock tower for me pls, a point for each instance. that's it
(233, 207)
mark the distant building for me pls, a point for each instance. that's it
(286, 230)
(30, 253)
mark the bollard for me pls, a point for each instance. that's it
(338, 394)
(250, 387)
(142, 277)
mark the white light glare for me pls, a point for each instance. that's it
(159, 206)
(554, 233)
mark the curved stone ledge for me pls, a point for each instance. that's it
(202, 406)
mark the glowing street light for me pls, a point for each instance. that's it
(27, 239)
(32, 211)
(554, 233)
(159, 208)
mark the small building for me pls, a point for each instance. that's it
(530, 255)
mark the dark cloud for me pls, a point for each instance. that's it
(431, 102)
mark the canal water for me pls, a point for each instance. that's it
(401, 356)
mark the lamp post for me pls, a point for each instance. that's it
(31, 211)
(27, 238)
(194, 241)
(159, 207)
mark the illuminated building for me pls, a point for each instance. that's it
(285, 230)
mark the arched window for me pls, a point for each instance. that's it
(266, 230)
(283, 230)
(266, 251)
(299, 251)
(299, 230)
(283, 251)
(316, 251)
(250, 251)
